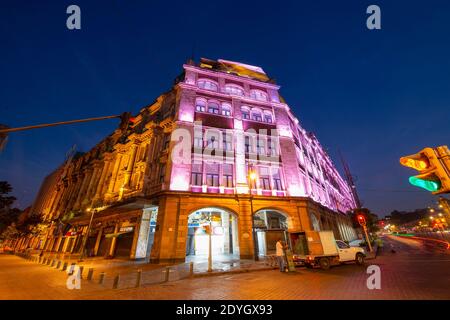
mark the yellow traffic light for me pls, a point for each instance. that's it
(433, 165)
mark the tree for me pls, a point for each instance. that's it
(8, 215)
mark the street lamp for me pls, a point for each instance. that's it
(83, 246)
(252, 179)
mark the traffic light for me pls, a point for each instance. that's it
(361, 219)
(125, 120)
(433, 165)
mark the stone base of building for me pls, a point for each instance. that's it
(157, 229)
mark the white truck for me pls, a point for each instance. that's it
(319, 248)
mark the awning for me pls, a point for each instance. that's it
(114, 235)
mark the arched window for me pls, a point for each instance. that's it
(226, 109)
(258, 95)
(256, 115)
(200, 105)
(213, 107)
(207, 84)
(268, 117)
(245, 113)
(234, 90)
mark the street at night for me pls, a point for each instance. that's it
(413, 272)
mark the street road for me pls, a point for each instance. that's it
(412, 272)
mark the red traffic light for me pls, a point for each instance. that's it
(361, 219)
(125, 120)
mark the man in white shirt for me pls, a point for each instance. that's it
(280, 255)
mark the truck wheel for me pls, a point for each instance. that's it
(359, 259)
(324, 263)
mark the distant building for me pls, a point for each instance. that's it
(220, 145)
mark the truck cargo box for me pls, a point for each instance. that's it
(321, 243)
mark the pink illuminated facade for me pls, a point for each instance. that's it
(223, 146)
(242, 117)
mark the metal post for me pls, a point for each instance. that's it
(138, 278)
(210, 245)
(116, 282)
(90, 273)
(191, 268)
(255, 240)
(367, 238)
(83, 246)
(166, 279)
(101, 278)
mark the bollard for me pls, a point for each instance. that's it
(90, 273)
(166, 279)
(116, 282)
(138, 278)
(81, 272)
(64, 267)
(191, 269)
(101, 278)
(58, 264)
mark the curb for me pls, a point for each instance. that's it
(219, 273)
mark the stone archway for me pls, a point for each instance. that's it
(270, 225)
(223, 226)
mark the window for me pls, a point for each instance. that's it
(264, 178)
(196, 175)
(256, 116)
(200, 105)
(245, 114)
(162, 172)
(212, 180)
(213, 143)
(234, 90)
(248, 146)
(258, 95)
(166, 141)
(212, 175)
(226, 142)
(277, 180)
(342, 244)
(268, 118)
(264, 183)
(226, 110)
(228, 175)
(213, 108)
(198, 142)
(196, 179)
(261, 147)
(271, 147)
(207, 85)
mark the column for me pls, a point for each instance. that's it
(112, 249)
(97, 241)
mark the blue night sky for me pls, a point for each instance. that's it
(374, 95)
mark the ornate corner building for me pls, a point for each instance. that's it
(221, 152)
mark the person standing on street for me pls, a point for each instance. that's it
(280, 255)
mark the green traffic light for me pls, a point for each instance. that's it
(425, 184)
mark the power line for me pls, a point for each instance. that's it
(390, 190)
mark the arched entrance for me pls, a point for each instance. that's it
(224, 235)
(270, 225)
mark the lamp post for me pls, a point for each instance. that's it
(210, 244)
(83, 246)
(252, 178)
